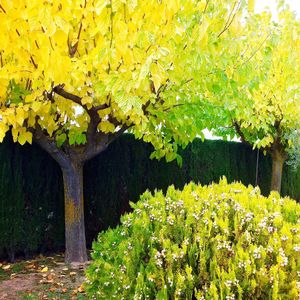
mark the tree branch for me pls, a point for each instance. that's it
(73, 49)
(115, 135)
(231, 17)
(206, 5)
(1, 7)
(59, 90)
(256, 50)
(49, 145)
(239, 131)
(101, 141)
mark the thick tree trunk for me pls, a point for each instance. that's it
(278, 159)
(71, 160)
(75, 242)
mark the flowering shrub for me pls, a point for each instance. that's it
(223, 241)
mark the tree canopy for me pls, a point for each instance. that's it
(256, 97)
(68, 67)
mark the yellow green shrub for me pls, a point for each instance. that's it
(223, 241)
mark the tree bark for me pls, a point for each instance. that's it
(75, 242)
(278, 159)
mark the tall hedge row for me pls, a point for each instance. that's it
(31, 191)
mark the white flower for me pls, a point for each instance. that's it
(256, 253)
(237, 207)
(263, 222)
(170, 220)
(196, 216)
(283, 257)
(297, 248)
(228, 283)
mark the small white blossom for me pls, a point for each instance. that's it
(228, 283)
(196, 216)
(170, 220)
(283, 257)
(297, 248)
(237, 207)
(257, 253)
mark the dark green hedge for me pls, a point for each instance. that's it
(31, 191)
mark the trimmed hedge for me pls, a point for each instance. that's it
(31, 191)
(222, 241)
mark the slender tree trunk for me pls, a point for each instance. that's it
(75, 242)
(278, 159)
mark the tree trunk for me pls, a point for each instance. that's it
(278, 159)
(71, 160)
(75, 242)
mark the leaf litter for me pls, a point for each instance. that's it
(41, 278)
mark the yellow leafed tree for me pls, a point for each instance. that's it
(260, 93)
(76, 74)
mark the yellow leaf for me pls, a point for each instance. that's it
(15, 133)
(251, 5)
(204, 40)
(44, 270)
(36, 106)
(156, 74)
(106, 127)
(3, 129)
(24, 137)
(87, 100)
(104, 112)
(20, 115)
(81, 289)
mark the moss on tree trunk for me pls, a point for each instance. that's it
(74, 214)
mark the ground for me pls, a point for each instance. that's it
(41, 278)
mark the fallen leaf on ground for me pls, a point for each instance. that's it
(50, 277)
(31, 266)
(81, 289)
(6, 267)
(44, 270)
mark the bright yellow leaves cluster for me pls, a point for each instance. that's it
(122, 53)
(98, 49)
